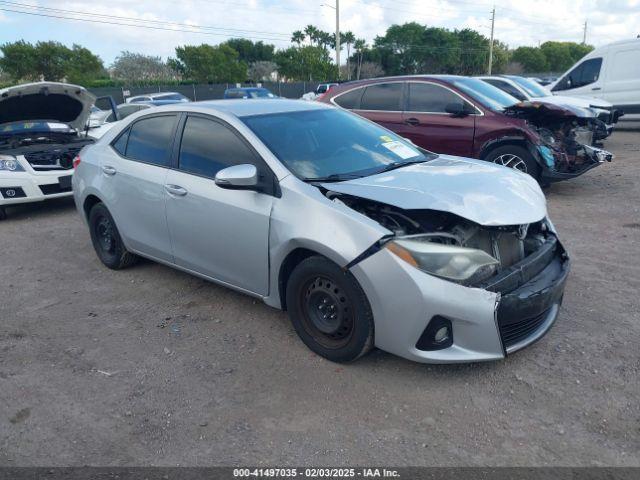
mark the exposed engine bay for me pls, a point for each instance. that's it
(569, 146)
(568, 135)
(45, 150)
(507, 244)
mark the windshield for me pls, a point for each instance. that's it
(170, 96)
(533, 88)
(490, 96)
(317, 144)
(264, 93)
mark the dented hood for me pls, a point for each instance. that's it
(61, 102)
(583, 102)
(547, 109)
(482, 192)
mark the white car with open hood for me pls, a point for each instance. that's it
(41, 132)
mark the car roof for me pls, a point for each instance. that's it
(443, 78)
(242, 108)
(245, 89)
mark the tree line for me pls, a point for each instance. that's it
(410, 48)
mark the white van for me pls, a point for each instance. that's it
(611, 72)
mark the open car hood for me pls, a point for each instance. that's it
(479, 191)
(540, 110)
(60, 102)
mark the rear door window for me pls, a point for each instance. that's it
(382, 96)
(431, 98)
(150, 140)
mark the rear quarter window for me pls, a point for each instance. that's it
(349, 100)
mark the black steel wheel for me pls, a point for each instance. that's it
(329, 310)
(106, 239)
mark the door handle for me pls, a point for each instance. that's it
(108, 170)
(412, 121)
(596, 88)
(176, 190)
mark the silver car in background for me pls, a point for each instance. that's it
(363, 238)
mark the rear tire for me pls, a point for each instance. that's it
(3, 214)
(107, 241)
(329, 310)
(516, 157)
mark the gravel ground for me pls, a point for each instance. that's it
(150, 366)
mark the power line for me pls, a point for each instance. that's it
(149, 27)
(131, 19)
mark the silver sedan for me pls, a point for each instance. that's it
(365, 239)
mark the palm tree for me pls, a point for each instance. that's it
(326, 39)
(312, 33)
(298, 37)
(360, 45)
(348, 38)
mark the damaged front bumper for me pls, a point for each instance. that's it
(551, 160)
(513, 310)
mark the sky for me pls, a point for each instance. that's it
(518, 22)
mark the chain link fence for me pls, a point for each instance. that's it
(200, 92)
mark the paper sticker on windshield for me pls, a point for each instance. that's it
(386, 138)
(57, 126)
(401, 150)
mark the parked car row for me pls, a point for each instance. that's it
(468, 117)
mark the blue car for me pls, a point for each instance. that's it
(248, 92)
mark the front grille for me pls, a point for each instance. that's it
(54, 188)
(513, 333)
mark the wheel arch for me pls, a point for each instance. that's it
(89, 202)
(507, 140)
(288, 265)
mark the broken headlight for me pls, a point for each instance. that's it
(9, 164)
(462, 265)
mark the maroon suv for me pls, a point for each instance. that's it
(470, 118)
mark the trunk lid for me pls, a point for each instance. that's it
(48, 101)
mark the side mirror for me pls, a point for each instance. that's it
(457, 109)
(238, 177)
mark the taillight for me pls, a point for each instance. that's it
(76, 161)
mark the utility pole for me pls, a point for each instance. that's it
(338, 36)
(584, 35)
(493, 21)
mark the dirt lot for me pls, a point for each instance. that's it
(151, 366)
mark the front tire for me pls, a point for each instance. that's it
(107, 241)
(515, 157)
(329, 310)
(3, 214)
